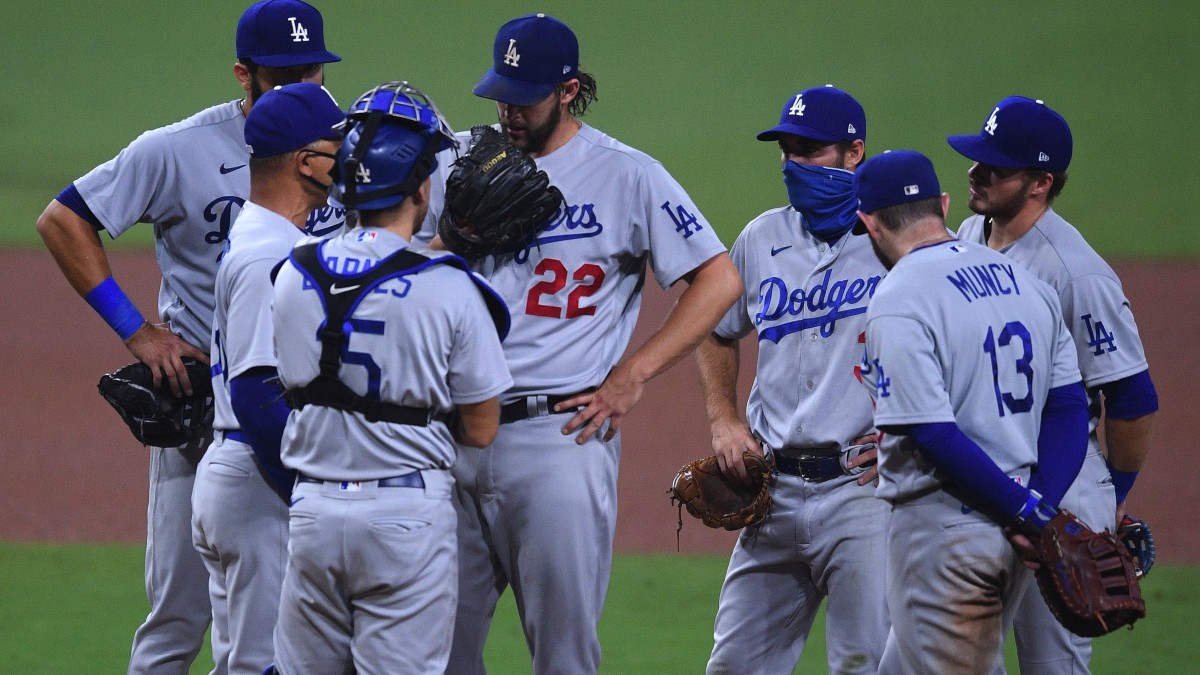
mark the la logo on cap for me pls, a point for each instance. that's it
(299, 32)
(991, 125)
(511, 57)
(797, 106)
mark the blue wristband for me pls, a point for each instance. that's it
(111, 303)
(1122, 481)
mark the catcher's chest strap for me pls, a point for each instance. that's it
(341, 294)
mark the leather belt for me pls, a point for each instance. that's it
(812, 468)
(532, 406)
(408, 480)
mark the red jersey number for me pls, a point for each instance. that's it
(588, 276)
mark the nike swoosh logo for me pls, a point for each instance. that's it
(230, 169)
(337, 290)
(781, 249)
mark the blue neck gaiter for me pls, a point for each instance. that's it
(824, 196)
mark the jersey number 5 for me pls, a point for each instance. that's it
(992, 345)
(590, 276)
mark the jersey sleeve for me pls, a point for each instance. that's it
(736, 323)
(680, 239)
(249, 342)
(1106, 336)
(478, 370)
(904, 366)
(131, 187)
(1065, 366)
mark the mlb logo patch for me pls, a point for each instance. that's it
(958, 248)
(910, 190)
(366, 235)
(350, 486)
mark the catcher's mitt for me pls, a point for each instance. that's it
(1088, 579)
(156, 416)
(723, 502)
(1135, 534)
(497, 200)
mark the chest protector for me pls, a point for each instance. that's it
(326, 389)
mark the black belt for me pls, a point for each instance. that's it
(408, 480)
(517, 410)
(812, 468)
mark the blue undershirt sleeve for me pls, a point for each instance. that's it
(1062, 443)
(70, 198)
(1130, 397)
(262, 414)
(965, 464)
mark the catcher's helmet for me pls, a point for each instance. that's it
(394, 133)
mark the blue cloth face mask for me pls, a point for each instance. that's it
(824, 196)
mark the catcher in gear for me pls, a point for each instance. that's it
(155, 415)
(717, 500)
(497, 200)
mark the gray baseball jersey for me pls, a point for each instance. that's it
(987, 369)
(239, 524)
(806, 302)
(423, 339)
(957, 333)
(1109, 347)
(574, 297)
(190, 180)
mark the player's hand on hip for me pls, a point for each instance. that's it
(732, 438)
(1025, 548)
(868, 457)
(615, 397)
(155, 345)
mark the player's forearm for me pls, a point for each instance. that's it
(76, 247)
(717, 361)
(711, 291)
(476, 424)
(1128, 441)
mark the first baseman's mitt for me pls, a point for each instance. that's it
(1135, 534)
(155, 415)
(1089, 580)
(720, 501)
(497, 200)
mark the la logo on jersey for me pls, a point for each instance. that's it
(511, 57)
(299, 32)
(991, 125)
(1099, 339)
(798, 106)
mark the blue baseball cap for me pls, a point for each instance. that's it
(895, 177)
(531, 55)
(290, 117)
(1021, 133)
(280, 33)
(820, 113)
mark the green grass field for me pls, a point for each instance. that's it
(688, 82)
(73, 609)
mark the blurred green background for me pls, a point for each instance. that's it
(688, 82)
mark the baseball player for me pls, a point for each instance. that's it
(1021, 157)
(371, 581)
(982, 417)
(239, 523)
(807, 279)
(537, 508)
(190, 180)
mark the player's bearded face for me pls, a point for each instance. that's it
(265, 77)
(997, 192)
(530, 127)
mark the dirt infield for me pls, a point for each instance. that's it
(71, 472)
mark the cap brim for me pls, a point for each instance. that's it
(512, 91)
(976, 149)
(285, 60)
(774, 133)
